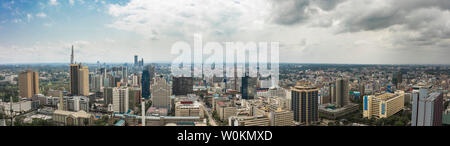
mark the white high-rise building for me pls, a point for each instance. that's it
(120, 99)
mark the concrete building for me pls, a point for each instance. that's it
(74, 103)
(249, 121)
(426, 108)
(342, 97)
(189, 109)
(83, 83)
(134, 120)
(161, 93)
(182, 85)
(120, 100)
(225, 110)
(281, 118)
(330, 111)
(384, 105)
(28, 83)
(68, 118)
(17, 107)
(304, 103)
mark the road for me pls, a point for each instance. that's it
(212, 122)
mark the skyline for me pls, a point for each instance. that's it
(363, 31)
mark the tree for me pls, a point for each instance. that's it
(399, 123)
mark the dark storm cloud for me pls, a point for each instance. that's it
(396, 12)
(289, 12)
(415, 22)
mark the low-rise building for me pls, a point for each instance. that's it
(68, 118)
(189, 109)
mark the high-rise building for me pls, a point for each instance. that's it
(28, 83)
(147, 77)
(427, 108)
(136, 63)
(120, 97)
(383, 105)
(342, 92)
(248, 88)
(182, 85)
(161, 93)
(79, 78)
(83, 81)
(397, 79)
(74, 81)
(134, 97)
(304, 103)
(107, 96)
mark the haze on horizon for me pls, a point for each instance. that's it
(309, 31)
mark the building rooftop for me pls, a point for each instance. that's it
(80, 113)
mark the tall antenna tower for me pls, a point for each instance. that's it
(71, 56)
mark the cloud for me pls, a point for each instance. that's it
(41, 15)
(29, 17)
(290, 12)
(182, 18)
(71, 2)
(53, 2)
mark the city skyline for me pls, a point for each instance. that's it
(332, 32)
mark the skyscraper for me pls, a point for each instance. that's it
(136, 63)
(79, 78)
(147, 76)
(427, 108)
(248, 87)
(28, 83)
(304, 103)
(74, 68)
(397, 79)
(342, 92)
(83, 81)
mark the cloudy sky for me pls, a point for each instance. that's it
(309, 31)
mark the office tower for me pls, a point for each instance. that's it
(182, 85)
(384, 105)
(161, 93)
(147, 77)
(135, 96)
(342, 92)
(397, 79)
(427, 108)
(83, 83)
(332, 92)
(304, 103)
(74, 84)
(136, 63)
(107, 95)
(28, 83)
(248, 87)
(98, 82)
(120, 98)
